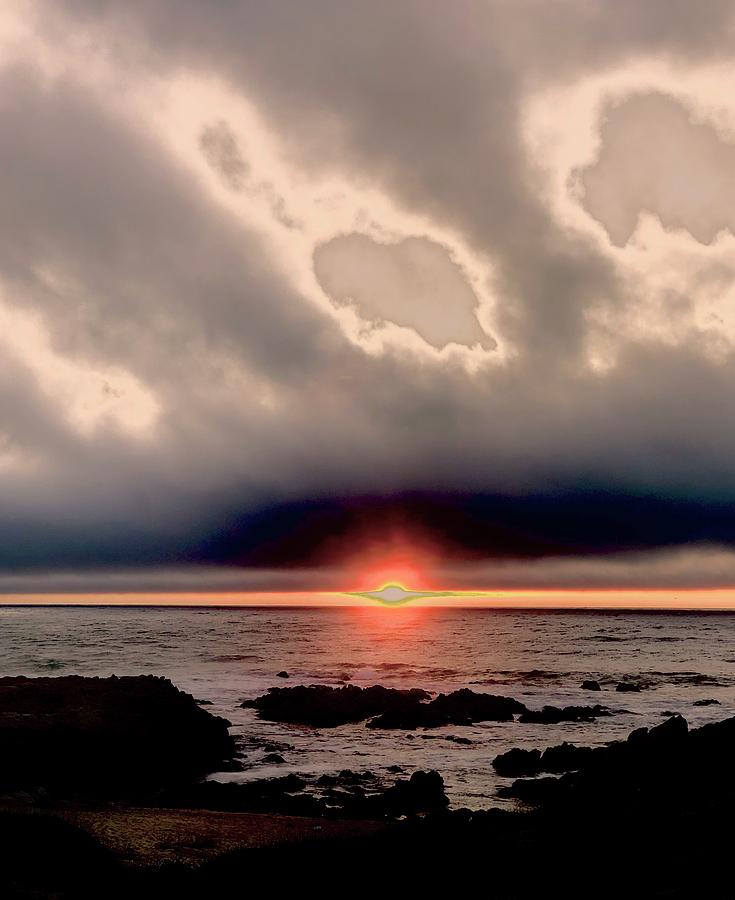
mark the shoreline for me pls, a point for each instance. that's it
(660, 801)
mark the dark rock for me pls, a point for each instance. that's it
(282, 675)
(203, 702)
(263, 795)
(651, 760)
(552, 715)
(273, 758)
(273, 747)
(459, 740)
(591, 685)
(665, 799)
(536, 791)
(349, 777)
(518, 762)
(674, 729)
(562, 758)
(627, 687)
(105, 736)
(710, 701)
(327, 780)
(565, 757)
(231, 765)
(322, 706)
(462, 707)
(423, 792)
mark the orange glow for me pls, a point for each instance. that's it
(396, 557)
(697, 599)
(391, 571)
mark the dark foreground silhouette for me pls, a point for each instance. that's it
(647, 817)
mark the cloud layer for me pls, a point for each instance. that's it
(282, 284)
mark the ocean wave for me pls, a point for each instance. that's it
(608, 639)
(524, 676)
(234, 657)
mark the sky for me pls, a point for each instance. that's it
(300, 298)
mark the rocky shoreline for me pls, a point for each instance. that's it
(102, 779)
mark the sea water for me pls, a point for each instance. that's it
(225, 655)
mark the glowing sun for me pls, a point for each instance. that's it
(392, 594)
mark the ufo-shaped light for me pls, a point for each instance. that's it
(393, 594)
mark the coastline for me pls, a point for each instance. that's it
(663, 792)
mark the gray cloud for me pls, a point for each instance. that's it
(131, 264)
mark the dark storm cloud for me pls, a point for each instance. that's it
(278, 443)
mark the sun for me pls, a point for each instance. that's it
(392, 594)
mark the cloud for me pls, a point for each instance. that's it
(413, 284)
(654, 158)
(279, 279)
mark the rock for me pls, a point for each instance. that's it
(536, 791)
(710, 701)
(562, 758)
(552, 715)
(275, 795)
(282, 674)
(459, 740)
(347, 776)
(462, 707)
(627, 687)
(565, 757)
(422, 793)
(518, 762)
(674, 729)
(105, 737)
(591, 685)
(322, 706)
(394, 769)
(638, 735)
(327, 780)
(274, 747)
(273, 758)
(650, 760)
(231, 765)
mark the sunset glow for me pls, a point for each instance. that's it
(722, 599)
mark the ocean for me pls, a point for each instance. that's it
(225, 655)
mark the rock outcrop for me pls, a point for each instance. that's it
(354, 795)
(645, 765)
(322, 706)
(552, 715)
(105, 736)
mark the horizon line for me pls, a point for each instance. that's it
(729, 610)
(692, 599)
